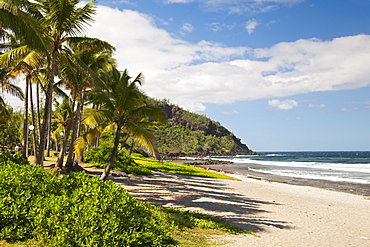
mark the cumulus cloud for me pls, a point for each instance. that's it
(283, 105)
(251, 25)
(191, 74)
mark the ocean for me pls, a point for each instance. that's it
(342, 171)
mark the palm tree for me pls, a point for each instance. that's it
(23, 61)
(17, 19)
(62, 19)
(80, 71)
(21, 34)
(45, 26)
(124, 104)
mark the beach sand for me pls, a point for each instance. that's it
(281, 214)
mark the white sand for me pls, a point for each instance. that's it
(281, 214)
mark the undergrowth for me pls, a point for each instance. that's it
(41, 209)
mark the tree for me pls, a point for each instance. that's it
(61, 20)
(124, 104)
(91, 57)
(17, 19)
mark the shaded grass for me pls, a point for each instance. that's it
(169, 167)
(196, 229)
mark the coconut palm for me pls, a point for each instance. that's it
(61, 19)
(124, 104)
(89, 58)
(17, 19)
(23, 61)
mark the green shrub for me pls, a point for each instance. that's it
(15, 157)
(74, 211)
(100, 157)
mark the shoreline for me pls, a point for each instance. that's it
(281, 214)
(339, 186)
(229, 168)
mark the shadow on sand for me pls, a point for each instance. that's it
(205, 195)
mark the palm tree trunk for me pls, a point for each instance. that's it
(25, 121)
(69, 162)
(63, 149)
(107, 169)
(33, 121)
(66, 135)
(38, 108)
(48, 108)
(48, 138)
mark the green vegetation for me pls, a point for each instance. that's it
(74, 211)
(53, 209)
(140, 165)
(169, 167)
(99, 156)
(189, 133)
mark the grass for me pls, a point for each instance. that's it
(189, 229)
(169, 167)
(196, 229)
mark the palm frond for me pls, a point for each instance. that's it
(14, 90)
(94, 117)
(14, 16)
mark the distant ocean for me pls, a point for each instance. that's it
(345, 171)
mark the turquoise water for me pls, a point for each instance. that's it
(351, 167)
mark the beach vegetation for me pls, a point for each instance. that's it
(41, 208)
(123, 106)
(99, 156)
(170, 167)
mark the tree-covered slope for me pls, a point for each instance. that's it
(193, 134)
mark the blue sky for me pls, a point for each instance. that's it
(282, 75)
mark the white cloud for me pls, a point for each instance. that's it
(187, 27)
(318, 106)
(283, 105)
(228, 112)
(350, 109)
(217, 26)
(251, 25)
(192, 74)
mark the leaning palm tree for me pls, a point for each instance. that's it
(123, 104)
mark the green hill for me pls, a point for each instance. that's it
(191, 134)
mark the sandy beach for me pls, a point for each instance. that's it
(281, 214)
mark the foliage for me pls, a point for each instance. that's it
(169, 167)
(194, 134)
(10, 135)
(100, 157)
(74, 211)
(179, 139)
